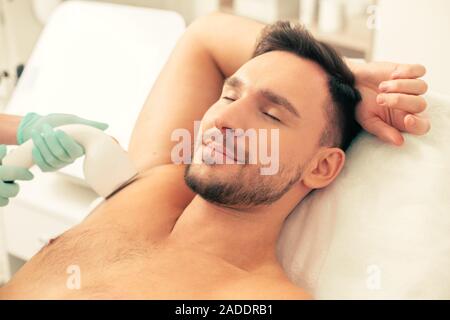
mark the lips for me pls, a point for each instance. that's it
(213, 146)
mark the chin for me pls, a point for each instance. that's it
(215, 172)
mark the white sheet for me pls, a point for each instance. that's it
(382, 229)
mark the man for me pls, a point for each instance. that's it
(209, 231)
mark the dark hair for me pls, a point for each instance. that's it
(294, 38)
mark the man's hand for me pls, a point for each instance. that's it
(391, 99)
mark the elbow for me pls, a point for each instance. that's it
(205, 24)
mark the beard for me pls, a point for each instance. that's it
(242, 188)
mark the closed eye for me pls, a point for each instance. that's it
(271, 117)
(228, 99)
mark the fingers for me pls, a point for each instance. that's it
(4, 202)
(408, 71)
(9, 190)
(403, 94)
(60, 119)
(405, 102)
(416, 125)
(40, 161)
(95, 124)
(10, 173)
(46, 161)
(53, 150)
(71, 146)
(406, 86)
(384, 131)
(54, 145)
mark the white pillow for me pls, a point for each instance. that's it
(382, 229)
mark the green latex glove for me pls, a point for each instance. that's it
(8, 174)
(33, 121)
(54, 150)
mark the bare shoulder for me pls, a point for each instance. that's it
(261, 287)
(286, 290)
(293, 292)
(274, 280)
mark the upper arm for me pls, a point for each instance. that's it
(211, 49)
(188, 84)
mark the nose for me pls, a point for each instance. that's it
(233, 115)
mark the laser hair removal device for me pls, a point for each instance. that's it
(107, 167)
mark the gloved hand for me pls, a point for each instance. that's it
(53, 150)
(8, 174)
(33, 121)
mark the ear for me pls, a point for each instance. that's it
(324, 168)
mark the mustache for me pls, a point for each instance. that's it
(236, 154)
(229, 144)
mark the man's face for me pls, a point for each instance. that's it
(274, 91)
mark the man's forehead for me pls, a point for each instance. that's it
(287, 74)
(284, 64)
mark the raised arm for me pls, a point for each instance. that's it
(215, 46)
(212, 48)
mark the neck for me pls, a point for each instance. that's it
(244, 238)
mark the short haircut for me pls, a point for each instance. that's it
(342, 127)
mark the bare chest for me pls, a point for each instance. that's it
(107, 263)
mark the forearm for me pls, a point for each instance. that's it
(230, 40)
(8, 128)
(355, 65)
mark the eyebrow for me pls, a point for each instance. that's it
(235, 82)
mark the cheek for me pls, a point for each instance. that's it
(297, 147)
